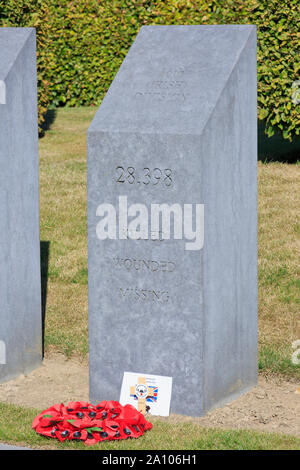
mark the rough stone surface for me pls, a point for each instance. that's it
(184, 100)
(20, 285)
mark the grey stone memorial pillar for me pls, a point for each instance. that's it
(20, 284)
(177, 127)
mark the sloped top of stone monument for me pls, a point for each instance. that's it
(12, 41)
(172, 78)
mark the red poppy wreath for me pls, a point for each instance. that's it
(91, 424)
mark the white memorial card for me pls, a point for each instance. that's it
(147, 393)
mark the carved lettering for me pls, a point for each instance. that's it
(144, 295)
(132, 264)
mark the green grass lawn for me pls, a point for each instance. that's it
(64, 228)
(15, 427)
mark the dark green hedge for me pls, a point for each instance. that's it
(81, 44)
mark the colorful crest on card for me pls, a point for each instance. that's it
(143, 393)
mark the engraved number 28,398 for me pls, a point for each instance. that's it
(149, 176)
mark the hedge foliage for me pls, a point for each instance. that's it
(81, 44)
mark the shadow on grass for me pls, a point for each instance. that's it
(45, 250)
(276, 148)
(49, 119)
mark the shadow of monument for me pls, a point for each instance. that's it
(45, 250)
(49, 119)
(276, 148)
